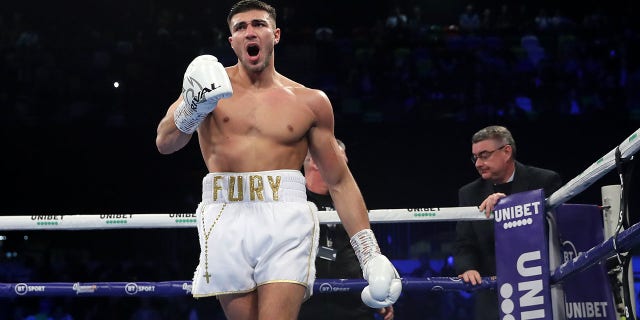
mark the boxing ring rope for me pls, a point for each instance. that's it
(624, 241)
(183, 288)
(188, 220)
(627, 148)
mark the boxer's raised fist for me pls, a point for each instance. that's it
(205, 82)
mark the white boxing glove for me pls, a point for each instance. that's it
(384, 282)
(205, 82)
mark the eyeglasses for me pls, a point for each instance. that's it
(485, 155)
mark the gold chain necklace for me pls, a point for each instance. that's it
(207, 275)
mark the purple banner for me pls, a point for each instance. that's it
(588, 294)
(522, 257)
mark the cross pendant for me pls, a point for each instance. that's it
(207, 275)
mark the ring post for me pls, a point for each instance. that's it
(611, 196)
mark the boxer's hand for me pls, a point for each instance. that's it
(489, 204)
(384, 282)
(205, 82)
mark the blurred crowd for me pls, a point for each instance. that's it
(508, 60)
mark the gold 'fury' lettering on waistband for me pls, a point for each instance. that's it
(275, 186)
(256, 187)
(216, 187)
(232, 186)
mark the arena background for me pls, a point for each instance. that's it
(407, 99)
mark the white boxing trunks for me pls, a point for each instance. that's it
(254, 228)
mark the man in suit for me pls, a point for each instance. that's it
(494, 156)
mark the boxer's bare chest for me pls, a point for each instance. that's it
(274, 114)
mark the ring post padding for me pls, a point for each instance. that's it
(610, 207)
(611, 196)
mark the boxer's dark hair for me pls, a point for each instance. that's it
(247, 5)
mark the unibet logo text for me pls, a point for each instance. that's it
(531, 300)
(517, 212)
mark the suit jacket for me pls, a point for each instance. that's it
(475, 241)
(346, 265)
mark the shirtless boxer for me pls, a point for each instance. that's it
(256, 230)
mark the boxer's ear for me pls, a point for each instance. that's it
(276, 35)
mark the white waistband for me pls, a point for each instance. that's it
(261, 186)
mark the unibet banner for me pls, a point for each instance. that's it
(522, 257)
(588, 294)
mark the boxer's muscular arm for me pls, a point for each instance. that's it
(384, 282)
(325, 152)
(168, 138)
